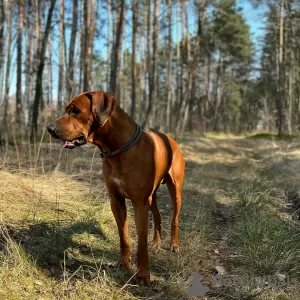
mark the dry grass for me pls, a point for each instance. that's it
(59, 239)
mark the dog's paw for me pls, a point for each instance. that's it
(174, 248)
(142, 278)
(156, 244)
(125, 263)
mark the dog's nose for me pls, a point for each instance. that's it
(51, 128)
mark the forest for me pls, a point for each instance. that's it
(221, 77)
(175, 66)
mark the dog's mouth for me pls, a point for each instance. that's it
(71, 144)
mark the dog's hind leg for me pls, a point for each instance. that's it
(174, 181)
(156, 220)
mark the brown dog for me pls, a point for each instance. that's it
(135, 163)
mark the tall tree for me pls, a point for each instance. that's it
(116, 51)
(169, 74)
(234, 58)
(2, 23)
(133, 58)
(184, 109)
(29, 61)
(8, 63)
(154, 77)
(281, 100)
(90, 44)
(71, 65)
(61, 63)
(39, 75)
(108, 42)
(19, 107)
(85, 45)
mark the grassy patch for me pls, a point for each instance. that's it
(266, 245)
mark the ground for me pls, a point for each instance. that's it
(239, 219)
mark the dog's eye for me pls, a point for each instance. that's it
(75, 111)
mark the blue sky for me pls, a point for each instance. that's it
(255, 18)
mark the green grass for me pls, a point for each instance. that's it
(266, 244)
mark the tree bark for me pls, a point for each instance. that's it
(2, 40)
(8, 62)
(86, 18)
(217, 93)
(108, 42)
(153, 81)
(281, 101)
(37, 24)
(39, 77)
(169, 74)
(90, 44)
(133, 59)
(117, 51)
(184, 109)
(19, 108)
(70, 81)
(148, 73)
(61, 63)
(29, 64)
(49, 77)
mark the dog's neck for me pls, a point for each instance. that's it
(116, 132)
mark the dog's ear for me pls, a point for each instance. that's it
(102, 106)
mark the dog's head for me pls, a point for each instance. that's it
(85, 113)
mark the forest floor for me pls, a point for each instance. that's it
(239, 219)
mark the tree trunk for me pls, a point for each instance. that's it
(217, 94)
(178, 57)
(208, 72)
(8, 62)
(108, 42)
(281, 101)
(153, 81)
(61, 63)
(117, 51)
(133, 59)
(36, 48)
(90, 44)
(70, 81)
(82, 47)
(37, 24)
(169, 75)
(2, 40)
(86, 18)
(184, 109)
(39, 77)
(29, 64)
(19, 108)
(49, 96)
(148, 74)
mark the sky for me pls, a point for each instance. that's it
(255, 18)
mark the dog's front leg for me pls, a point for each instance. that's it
(118, 208)
(141, 220)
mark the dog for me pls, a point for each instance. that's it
(135, 163)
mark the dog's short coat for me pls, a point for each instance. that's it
(135, 174)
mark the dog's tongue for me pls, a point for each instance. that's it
(66, 144)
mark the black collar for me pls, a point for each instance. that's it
(129, 144)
